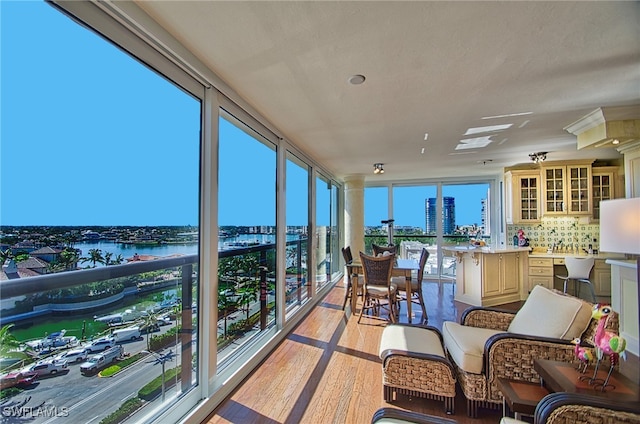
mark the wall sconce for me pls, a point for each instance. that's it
(378, 169)
(538, 157)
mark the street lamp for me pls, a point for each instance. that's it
(161, 359)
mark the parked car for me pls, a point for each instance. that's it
(100, 344)
(18, 379)
(73, 355)
(49, 367)
(97, 362)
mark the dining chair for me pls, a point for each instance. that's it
(378, 250)
(416, 285)
(348, 259)
(578, 270)
(377, 284)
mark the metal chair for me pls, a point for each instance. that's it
(377, 284)
(578, 270)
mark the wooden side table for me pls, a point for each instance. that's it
(522, 397)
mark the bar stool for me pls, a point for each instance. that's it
(578, 270)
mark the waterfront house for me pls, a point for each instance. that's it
(380, 95)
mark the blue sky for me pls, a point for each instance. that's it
(89, 136)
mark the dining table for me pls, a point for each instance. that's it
(401, 267)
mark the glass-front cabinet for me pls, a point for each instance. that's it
(567, 189)
(523, 191)
(602, 187)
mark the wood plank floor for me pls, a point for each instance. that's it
(328, 370)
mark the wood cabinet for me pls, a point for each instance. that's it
(489, 278)
(540, 273)
(573, 188)
(602, 187)
(523, 197)
(567, 189)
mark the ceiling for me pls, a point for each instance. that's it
(440, 68)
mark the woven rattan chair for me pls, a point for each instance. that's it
(378, 250)
(510, 355)
(574, 408)
(398, 416)
(416, 285)
(348, 259)
(379, 292)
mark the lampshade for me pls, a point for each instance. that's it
(620, 225)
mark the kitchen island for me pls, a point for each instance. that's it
(487, 276)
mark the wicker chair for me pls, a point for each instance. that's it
(348, 259)
(397, 416)
(416, 285)
(573, 408)
(508, 354)
(377, 284)
(377, 250)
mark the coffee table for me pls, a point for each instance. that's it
(522, 397)
(564, 377)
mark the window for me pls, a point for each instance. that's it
(247, 217)
(297, 200)
(108, 150)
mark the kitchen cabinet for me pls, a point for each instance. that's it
(489, 277)
(540, 272)
(567, 189)
(523, 197)
(603, 187)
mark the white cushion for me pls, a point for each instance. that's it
(411, 339)
(509, 420)
(465, 344)
(548, 313)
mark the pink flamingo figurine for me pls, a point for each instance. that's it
(606, 342)
(584, 354)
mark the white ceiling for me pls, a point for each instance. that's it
(430, 67)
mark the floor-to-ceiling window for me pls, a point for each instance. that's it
(323, 234)
(376, 210)
(297, 212)
(247, 230)
(100, 187)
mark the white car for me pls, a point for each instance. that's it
(100, 344)
(73, 355)
(49, 367)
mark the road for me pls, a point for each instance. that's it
(73, 397)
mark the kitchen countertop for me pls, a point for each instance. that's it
(544, 254)
(485, 249)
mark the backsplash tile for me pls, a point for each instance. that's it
(562, 231)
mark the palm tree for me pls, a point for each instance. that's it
(5, 254)
(9, 344)
(95, 256)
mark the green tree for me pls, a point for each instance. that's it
(95, 257)
(9, 344)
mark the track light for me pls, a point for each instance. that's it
(538, 157)
(377, 168)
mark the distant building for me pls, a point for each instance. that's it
(448, 215)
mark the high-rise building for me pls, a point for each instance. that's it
(486, 215)
(448, 215)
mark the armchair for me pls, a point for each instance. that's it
(573, 408)
(491, 343)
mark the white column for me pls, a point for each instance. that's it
(354, 213)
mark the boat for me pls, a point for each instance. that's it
(53, 340)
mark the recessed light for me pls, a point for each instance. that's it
(422, 151)
(356, 79)
(616, 141)
(426, 136)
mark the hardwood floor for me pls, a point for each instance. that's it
(328, 370)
